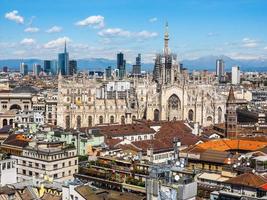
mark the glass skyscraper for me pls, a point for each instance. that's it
(47, 66)
(72, 67)
(121, 65)
(63, 62)
(24, 69)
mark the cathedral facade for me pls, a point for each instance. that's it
(171, 93)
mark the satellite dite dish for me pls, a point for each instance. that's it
(177, 177)
(182, 165)
(177, 163)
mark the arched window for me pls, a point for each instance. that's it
(209, 118)
(79, 122)
(219, 115)
(15, 107)
(101, 119)
(133, 118)
(11, 122)
(156, 115)
(4, 122)
(122, 119)
(90, 121)
(190, 115)
(67, 122)
(112, 119)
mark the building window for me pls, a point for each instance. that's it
(190, 115)
(112, 119)
(122, 119)
(78, 121)
(101, 120)
(156, 115)
(90, 121)
(67, 122)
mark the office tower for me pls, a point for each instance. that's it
(220, 70)
(63, 62)
(121, 65)
(235, 75)
(54, 67)
(24, 69)
(5, 69)
(36, 68)
(108, 72)
(47, 66)
(72, 67)
(137, 66)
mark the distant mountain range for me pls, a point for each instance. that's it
(206, 62)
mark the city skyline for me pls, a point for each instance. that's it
(97, 29)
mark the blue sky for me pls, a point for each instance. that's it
(101, 28)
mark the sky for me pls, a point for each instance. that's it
(102, 28)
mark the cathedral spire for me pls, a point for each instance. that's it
(166, 39)
(231, 96)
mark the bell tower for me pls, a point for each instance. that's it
(231, 116)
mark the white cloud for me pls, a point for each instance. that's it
(265, 48)
(59, 42)
(94, 21)
(153, 19)
(249, 43)
(27, 41)
(118, 32)
(146, 34)
(244, 56)
(114, 32)
(14, 16)
(31, 30)
(54, 29)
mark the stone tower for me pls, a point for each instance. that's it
(231, 116)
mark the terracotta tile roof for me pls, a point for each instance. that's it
(235, 144)
(112, 142)
(157, 145)
(215, 156)
(17, 140)
(123, 130)
(248, 179)
(177, 129)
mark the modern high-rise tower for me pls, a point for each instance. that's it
(220, 70)
(36, 68)
(121, 65)
(137, 67)
(72, 67)
(24, 69)
(235, 75)
(63, 62)
(47, 66)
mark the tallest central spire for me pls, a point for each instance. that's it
(166, 39)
